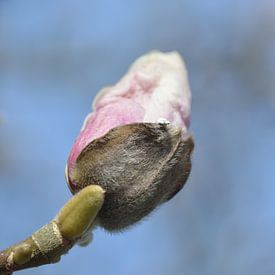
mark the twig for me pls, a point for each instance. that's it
(49, 243)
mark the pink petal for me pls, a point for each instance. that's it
(155, 88)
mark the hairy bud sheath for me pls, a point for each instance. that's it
(135, 144)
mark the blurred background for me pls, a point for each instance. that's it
(56, 55)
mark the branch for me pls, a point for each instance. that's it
(46, 246)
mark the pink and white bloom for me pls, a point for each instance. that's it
(154, 91)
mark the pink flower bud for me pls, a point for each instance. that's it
(135, 142)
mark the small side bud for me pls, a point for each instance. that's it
(22, 254)
(76, 217)
(86, 238)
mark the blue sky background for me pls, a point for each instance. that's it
(54, 57)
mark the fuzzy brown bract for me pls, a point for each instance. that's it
(140, 166)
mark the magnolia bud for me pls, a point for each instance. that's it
(135, 144)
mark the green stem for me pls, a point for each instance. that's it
(56, 238)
